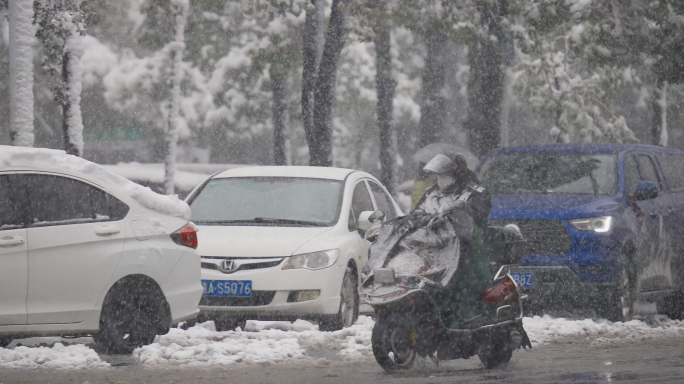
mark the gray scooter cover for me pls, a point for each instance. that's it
(412, 248)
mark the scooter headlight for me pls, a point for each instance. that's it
(312, 261)
(597, 224)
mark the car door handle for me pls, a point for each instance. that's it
(106, 230)
(11, 241)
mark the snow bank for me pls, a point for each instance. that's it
(60, 161)
(284, 342)
(58, 357)
(271, 342)
(546, 330)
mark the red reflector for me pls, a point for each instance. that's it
(499, 292)
(186, 236)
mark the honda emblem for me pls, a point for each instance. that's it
(228, 266)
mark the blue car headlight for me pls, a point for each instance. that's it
(601, 224)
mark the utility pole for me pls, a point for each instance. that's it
(21, 72)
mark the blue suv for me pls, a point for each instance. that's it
(604, 223)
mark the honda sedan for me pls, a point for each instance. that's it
(285, 243)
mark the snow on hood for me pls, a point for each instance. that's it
(254, 241)
(16, 157)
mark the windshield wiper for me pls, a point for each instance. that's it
(219, 222)
(262, 220)
(287, 221)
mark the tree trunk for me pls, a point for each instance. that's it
(312, 42)
(320, 147)
(433, 103)
(385, 88)
(505, 108)
(488, 81)
(659, 127)
(281, 119)
(485, 94)
(171, 140)
(72, 124)
(21, 72)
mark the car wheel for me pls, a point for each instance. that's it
(229, 323)
(132, 316)
(5, 342)
(349, 305)
(619, 299)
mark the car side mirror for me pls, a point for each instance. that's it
(646, 190)
(368, 218)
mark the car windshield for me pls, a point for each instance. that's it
(268, 201)
(550, 173)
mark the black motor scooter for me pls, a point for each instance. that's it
(409, 323)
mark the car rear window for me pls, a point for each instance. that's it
(550, 173)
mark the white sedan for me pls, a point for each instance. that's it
(87, 252)
(285, 243)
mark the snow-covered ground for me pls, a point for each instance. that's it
(302, 343)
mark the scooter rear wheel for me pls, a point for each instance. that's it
(394, 342)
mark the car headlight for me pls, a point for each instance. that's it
(597, 224)
(312, 261)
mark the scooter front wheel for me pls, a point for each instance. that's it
(394, 342)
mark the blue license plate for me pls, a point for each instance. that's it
(523, 279)
(223, 288)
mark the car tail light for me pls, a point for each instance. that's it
(186, 236)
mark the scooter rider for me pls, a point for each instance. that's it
(458, 197)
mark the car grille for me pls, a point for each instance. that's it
(258, 298)
(543, 237)
(247, 264)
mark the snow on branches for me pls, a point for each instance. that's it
(559, 75)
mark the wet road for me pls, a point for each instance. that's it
(658, 360)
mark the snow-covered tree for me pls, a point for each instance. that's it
(153, 85)
(180, 15)
(21, 72)
(61, 23)
(557, 73)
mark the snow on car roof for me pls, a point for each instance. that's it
(288, 171)
(59, 161)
